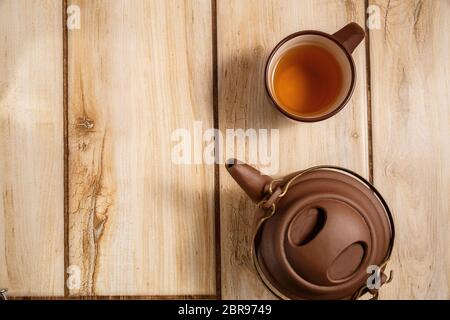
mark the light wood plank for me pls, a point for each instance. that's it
(31, 148)
(410, 94)
(247, 32)
(139, 224)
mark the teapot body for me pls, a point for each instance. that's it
(317, 231)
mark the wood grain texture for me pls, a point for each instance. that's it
(139, 224)
(31, 148)
(247, 32)
(411, 120)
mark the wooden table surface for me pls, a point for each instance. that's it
(87, 185)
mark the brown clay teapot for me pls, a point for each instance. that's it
(317, 231)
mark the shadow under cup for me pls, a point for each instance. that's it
(310, 76)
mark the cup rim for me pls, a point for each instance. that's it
(328, 114)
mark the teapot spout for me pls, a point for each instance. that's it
(248, 178)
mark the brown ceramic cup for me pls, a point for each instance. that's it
(340, 44)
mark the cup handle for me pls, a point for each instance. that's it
(350, 36)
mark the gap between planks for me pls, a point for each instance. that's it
(217, 236)
(151, 297)
(368, 94)
(66, 143)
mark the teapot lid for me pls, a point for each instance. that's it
(328, 227)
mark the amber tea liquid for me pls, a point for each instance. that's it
(307, 80)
